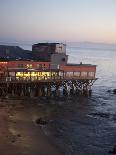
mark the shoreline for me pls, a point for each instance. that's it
(23, 135)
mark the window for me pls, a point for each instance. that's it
(60, 73)
(63, 59)
(39, 73)
(83, 73)
(76, 73)
(20, 66)
(39, 66)
(11, 73)
(91, 74)
(29, 66)
(69, 74)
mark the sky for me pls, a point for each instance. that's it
(62, 20)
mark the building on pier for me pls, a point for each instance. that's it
(48, 68)
(43, 51)
(33, 70)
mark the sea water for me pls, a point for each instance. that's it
(87, 125)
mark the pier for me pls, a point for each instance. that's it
(48, 74)
(49, 86)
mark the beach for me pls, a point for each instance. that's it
(19, 133)
(59, 126)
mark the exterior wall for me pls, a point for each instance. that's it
(79, 68)
(58, 59)
(3, 67)
(70, 71)
(28, 64)
(79, 71)
(44, 47)
(43, 51)
(60, 48)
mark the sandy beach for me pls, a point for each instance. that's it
(19, 133)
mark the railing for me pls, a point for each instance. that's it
(44, 78)
(38, 78)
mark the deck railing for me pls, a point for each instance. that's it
(38, 78)
(43, 78)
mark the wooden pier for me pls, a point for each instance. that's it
(50, 79)
(51, 87)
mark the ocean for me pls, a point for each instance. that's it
(87, 125)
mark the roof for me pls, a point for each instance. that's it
(48, 44)
(80, 64)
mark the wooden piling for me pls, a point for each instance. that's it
(44, 88)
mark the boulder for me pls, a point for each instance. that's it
(114, 91)
(41, 121)
(113, 150)
(18, 135)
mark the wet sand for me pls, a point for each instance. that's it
(19, 134)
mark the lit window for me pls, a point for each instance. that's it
(83, 73)
(39, 66)
(29, 66)
(76, 73)
(91, 74)
(69, 74)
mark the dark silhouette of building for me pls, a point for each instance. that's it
(43, 51)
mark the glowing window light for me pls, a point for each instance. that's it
(20, 74)
(54, 73)
(29, 66)
(39, 73)
(3, 62)
(34, 74)
(46, 74)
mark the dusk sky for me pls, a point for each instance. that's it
(64, 20)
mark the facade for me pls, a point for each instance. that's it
(28, 65)
(55, 66)
(48, 69)
(43, 51)
(79, 71)
(31, 70)
(58, 59)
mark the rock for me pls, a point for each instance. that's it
(114, 91)
(13, 141)
(104, 115)
(109, 91)
(113, 149)
(41, 121)
(18, 135)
